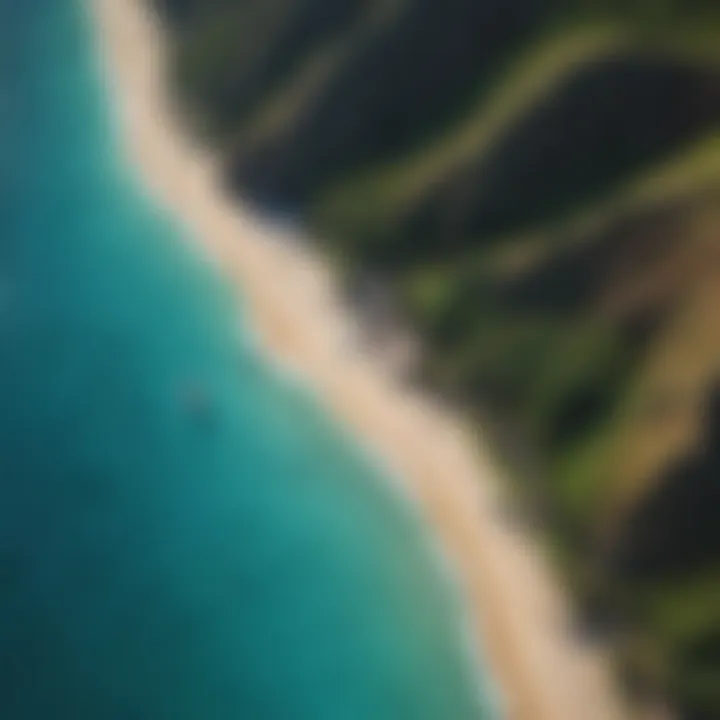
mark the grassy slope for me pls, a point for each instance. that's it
(542, 185)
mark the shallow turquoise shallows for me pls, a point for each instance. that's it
(183, 534)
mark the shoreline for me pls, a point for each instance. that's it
(519, 616)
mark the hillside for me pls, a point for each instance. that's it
(537, 185)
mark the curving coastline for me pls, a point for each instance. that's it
(519, 615)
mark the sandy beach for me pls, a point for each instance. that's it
(518, 612)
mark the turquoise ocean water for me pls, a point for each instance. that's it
(239, 561)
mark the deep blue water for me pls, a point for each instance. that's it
(240, 561)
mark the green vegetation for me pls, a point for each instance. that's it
(539, 184)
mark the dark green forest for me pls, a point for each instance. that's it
(537, 185)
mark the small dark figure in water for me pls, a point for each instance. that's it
(200, 407)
